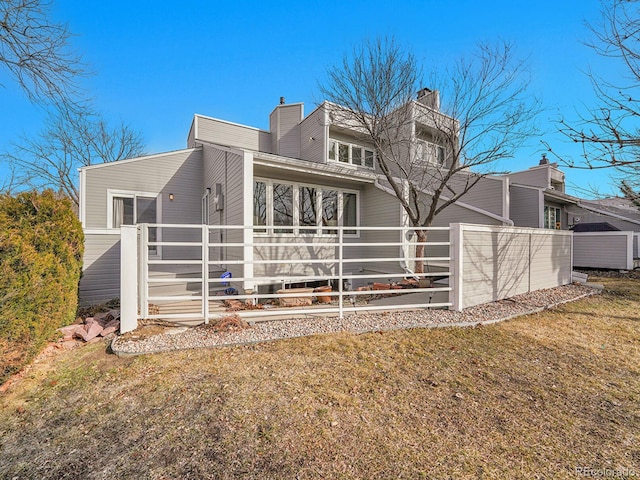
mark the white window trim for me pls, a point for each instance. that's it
(269, 227)
(557, 215)
(133, 194)
(426, 158)
(351, 146)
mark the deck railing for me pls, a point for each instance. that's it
(342, 256)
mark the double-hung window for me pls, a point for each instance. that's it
(350, 153)
(291, 208)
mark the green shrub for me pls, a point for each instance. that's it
(41, 246)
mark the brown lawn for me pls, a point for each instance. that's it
(535, 397)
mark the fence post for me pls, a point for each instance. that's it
(205, 272)
(144, 270)
(456, 282)
(340, 273)
(128, 278)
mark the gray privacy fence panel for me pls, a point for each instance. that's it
(492, 263)
(611, 250)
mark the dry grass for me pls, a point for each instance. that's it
(531, 398)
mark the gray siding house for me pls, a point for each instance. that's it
(295, 181)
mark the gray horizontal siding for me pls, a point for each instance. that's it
(586, 216)
(313, 132)
(179, 173)
(100, 280)
(226, 168)
(536, 177)
(487, 194)
(232, 135)
(378, 209)
(602, 250)
(525, 206)
(457, 214)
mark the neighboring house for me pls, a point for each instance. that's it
(537, 199)
(295, 181)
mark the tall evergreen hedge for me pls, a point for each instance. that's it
(41, 246)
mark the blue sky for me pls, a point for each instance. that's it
(157, 63)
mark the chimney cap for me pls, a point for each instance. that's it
(281, 100)
(544, 160)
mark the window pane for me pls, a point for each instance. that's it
(146, 213)
(356, 155)
(349, 212)
(282, 207)
(122, 211)
(343, 152)
(368, 158)
(259, 205)
(307, 209)
(332, 149)
(146, 210)
(329, 210)
(440, 156)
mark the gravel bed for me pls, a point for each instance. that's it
(205, 336)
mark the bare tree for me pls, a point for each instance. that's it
(431, 155)
(37, 53)
(71, 139)
(609, 132)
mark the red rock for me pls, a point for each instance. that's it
(68, 330)
(89, 331)
(113, 323)
(107, 331)
(381, 286)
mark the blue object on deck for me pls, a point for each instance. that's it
(225, 275)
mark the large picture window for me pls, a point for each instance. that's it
(289, 208)
(283, 207)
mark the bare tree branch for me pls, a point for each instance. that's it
(432, 155)
(70, 140)
(37, 53)
(609, 133)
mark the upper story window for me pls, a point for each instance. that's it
(552, 218)
(291, 208)
(430, 153)
(350, 153)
